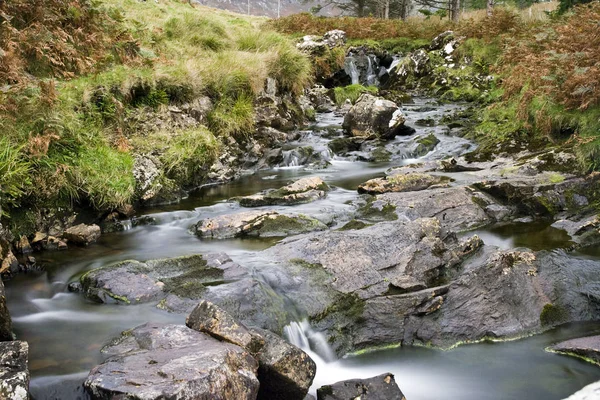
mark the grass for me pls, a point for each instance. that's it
(352, 93)
(69, 129)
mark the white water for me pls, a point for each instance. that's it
(351, 70)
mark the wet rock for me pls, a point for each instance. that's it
(456, 208)
(586, 347)
(373, 117)
(218, 323)
(590, 392)
(82, 234)
(345, 145)
(23, 246)
(14, 374)
(410, 70)
(155, 361)
(409, 182)
(304, 190)
(319, 96)
(8, 261)
(452, 165)
(285, 372)
(316, 45)
(256, 223)
(426, 144)
(130, 282)
(368, 261)
(381, 387)
(5, 320)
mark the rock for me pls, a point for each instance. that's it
(456, 208)
(373, 117)
(256, 223)
(452, 165)
(155, 361)
(285, 372)
(304, 190)
(409, 182)
(147, 171)
(23, 246)
(381, 387)
(82, 234)
(409, 70)
(590, 392)
(586, 347)
(130, 282)
(316, 45)
(199, 108)
(345, 145)
(14, 374)
(218, 323)
(8, 261)
(426, 144)
(5, 320)
(319, 97)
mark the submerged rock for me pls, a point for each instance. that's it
(409, 182)
(14, 374)
(381, 387)
(256, 223)
(586, 347)
(82, 234)
(374, 117)
(304, 190)
(155, 361)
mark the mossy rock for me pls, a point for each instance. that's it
(552, 315)
(278, 225)
(354, 225)
(426, 144)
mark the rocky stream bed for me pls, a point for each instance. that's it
(353, 242)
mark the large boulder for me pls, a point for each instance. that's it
(590, 392)
(155, 361)
(585, 347)
(381, 387)
(374, 117)
(285, 372)
(256, 223)
(304, 190)
(14, 374)
(5, 320)
(409, 182)
(82, 234)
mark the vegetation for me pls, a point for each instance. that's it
(85, 83)
(352, 93)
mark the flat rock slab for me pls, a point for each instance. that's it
(302, 191)
(155, 361)
(410, 182)
(14, 375)
(381, 387)
(586, 347)
(256, 223)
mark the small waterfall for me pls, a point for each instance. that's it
(301, 335)
(290, 159)
(371, 77)
(351, 70)
(127, 225)
(395, 62)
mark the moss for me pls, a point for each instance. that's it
(381, 154)
(552, 315)
(370, 212)
(348, 306)
(354, 225)
(305, 264)
(426, 144)
(283, 225)
(555, 177)
(352, 93)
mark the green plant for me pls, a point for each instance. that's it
(14, 174)
(352, 93)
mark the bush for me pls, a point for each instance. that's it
(14, 174)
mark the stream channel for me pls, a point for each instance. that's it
(66, 332)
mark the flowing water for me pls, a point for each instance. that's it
(66, 332)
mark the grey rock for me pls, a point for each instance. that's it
(147, 171)
(155, 361)
(590, 392)
(5, 320)
(586, 347)
(381, 387)
(82, 234)
(256, 223)
(218, 323)
(373, 117)
(409, 182)
(14, 374)
(285, 372)
(319, 97)
(304, 190)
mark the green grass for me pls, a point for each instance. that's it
(74, 141)
(352, 93)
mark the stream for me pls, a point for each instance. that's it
(66, 332)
